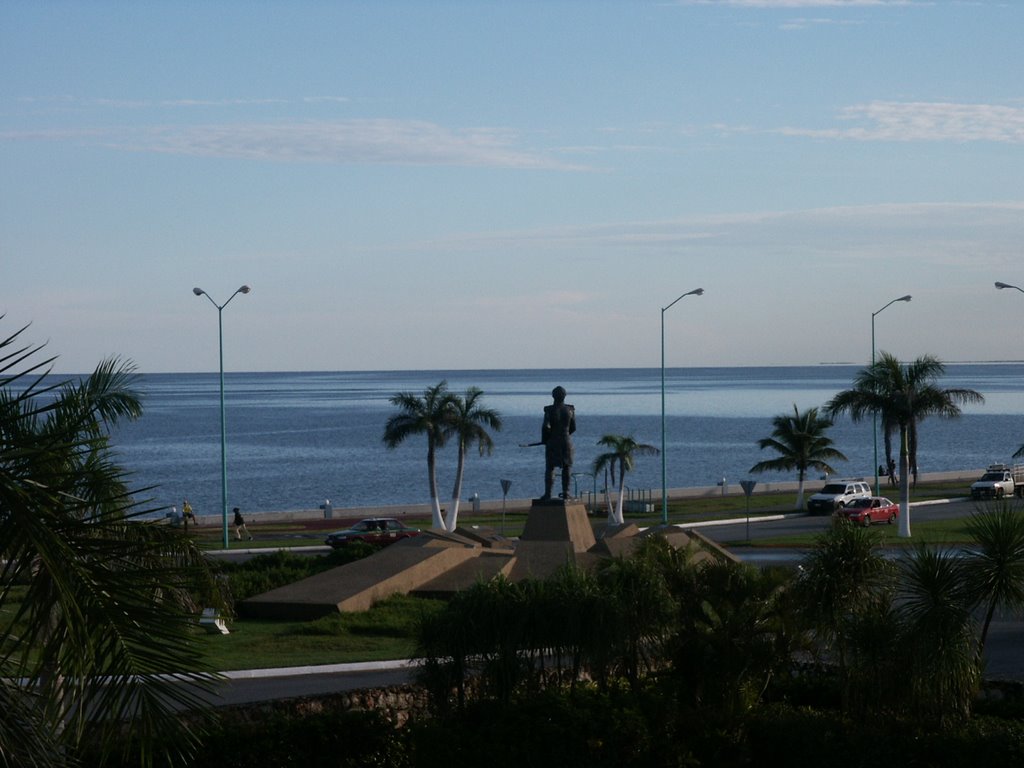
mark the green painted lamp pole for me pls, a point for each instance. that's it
(223, 428)
(874, 416)
(664, 465)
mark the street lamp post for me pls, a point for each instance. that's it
(874, 415)
(223, 428)
(664, 464)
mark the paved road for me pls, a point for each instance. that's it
(266, 684)
(797, 523)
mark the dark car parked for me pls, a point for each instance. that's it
(380, 531)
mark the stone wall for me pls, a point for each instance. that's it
(398, 704)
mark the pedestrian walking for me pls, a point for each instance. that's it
(187, 514)
(240, 525)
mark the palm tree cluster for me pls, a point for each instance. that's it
(443, 415)
(904, 635)
(715, 628)
(899, 395)
(895, 639)
(96, 596)
(621, 454)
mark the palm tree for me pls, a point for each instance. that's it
(429, 415)
(902, 395)
(995, 568)
(800, 441)
(468, 423)
(937, 642)
(95, 593)
(623, 453)
(841, 578)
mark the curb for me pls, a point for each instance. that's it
(321, 669)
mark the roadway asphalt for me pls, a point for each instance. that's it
(1005, 647)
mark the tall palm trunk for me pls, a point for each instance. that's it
(904, 531)
(437, 521)
(800, 489)
(453, 511)
(619, 517)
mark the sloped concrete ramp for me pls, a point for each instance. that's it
(398, 569)
(437, 564)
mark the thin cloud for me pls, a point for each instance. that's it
(369, 142)
(924, 121)
(863, 229)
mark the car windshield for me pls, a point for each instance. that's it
(860, 503)
(365, 525)
(993, 476)
(834, 488)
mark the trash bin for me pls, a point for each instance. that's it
(328, 509)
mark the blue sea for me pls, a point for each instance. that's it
(295, 440)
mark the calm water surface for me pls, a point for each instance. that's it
(296, 439)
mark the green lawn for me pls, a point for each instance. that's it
(384, 632)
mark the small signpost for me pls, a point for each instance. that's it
(748, 488)
(505, 485)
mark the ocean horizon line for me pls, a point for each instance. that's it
(328, 371)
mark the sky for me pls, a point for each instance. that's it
(475, 185)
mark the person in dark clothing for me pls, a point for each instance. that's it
(240, 525)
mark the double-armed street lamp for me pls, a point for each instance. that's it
(223, 428)
(664, 464)
(874, 416)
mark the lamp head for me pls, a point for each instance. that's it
(1003, 285)
(697, 292)
(904, 298)
(198, 291)
(244, 289)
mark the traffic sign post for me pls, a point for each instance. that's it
(748, 488)
(505, 485)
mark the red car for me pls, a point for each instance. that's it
(876, 509)
(380, 531)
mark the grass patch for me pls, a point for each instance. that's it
(386, 631)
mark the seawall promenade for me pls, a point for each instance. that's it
(652, 496)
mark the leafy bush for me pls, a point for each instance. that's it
(328, 739)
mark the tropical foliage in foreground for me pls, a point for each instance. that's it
(96, 600)
(898, 638)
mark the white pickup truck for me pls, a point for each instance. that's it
(998, 481)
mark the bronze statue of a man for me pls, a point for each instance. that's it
(559, 424)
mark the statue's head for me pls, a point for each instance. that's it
(558, 393)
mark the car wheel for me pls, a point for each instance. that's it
(839, 506)
(892, 519)
(999, 493)
(867, 519)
